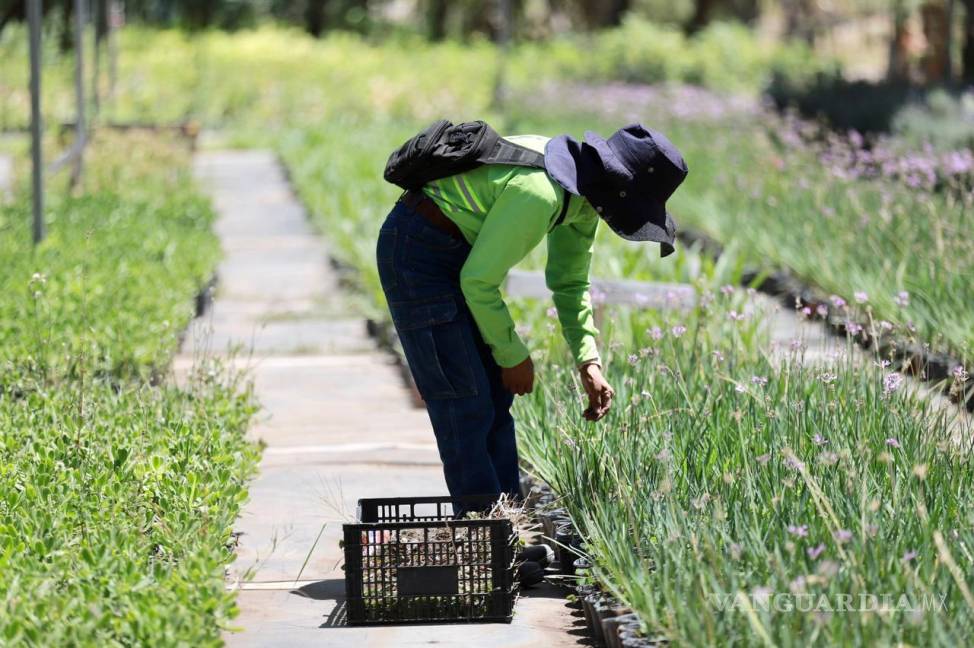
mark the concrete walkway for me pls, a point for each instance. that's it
(337, 422)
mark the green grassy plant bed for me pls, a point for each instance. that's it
(908, 356)
(112, 287)
(730, 486)
(117, 493)
(116, 506)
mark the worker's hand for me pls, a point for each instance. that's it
(599, 392)
(519, 379)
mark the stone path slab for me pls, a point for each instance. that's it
(337, 422)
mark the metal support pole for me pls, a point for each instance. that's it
(80, 133)
(34, 16)
(115, 19)
(97, 18)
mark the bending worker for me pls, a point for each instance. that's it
(444, 251)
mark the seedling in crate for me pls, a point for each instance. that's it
(411, 560)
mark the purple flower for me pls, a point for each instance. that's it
(828, 378)
(734, 316)
(822, 310)
(861, 297)
(853, 328)
(960, 373)
(828, 458)
(678, 330)
(656, 333)
(815, 552)
(718, 356)
(908, 556)
(759, 380)
(842, 536)
(818, 439)
(892, 382)
(893, 443)
(886, 326)
(903, 299)
(792, 462)
(727, 289)
(799, 531)
(552, 312)
(837, 301)
(806, 311)
(633, 359)
(761, 595)
(763, 459)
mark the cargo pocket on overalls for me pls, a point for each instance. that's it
(435, 340)
(385, 250)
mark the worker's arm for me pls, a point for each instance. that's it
(567, 275)
(515, 224)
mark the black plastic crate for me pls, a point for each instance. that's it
(410, 561)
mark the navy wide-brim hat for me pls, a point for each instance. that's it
(627, 179)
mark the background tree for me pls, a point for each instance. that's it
(967, 52)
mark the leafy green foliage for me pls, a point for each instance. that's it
(732, 498)
(116, 508)
(111, 287)
(116, 496)
(725, 56)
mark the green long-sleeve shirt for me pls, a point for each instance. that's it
(504, 212)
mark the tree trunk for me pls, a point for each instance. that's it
(935, 30)
(436, 19)
(99, 15)
(967, 55)
(898, 63)
(617, 10)
(314, 17)
(702, 12)
(66, 35)
(951, 18)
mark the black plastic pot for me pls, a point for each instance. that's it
(581, 566)
(610, 630)
(630, 637)
(548, 521)
(592, 618)
(611, 615)
(564, 539)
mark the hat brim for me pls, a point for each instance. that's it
(649, 230)
(561, 155)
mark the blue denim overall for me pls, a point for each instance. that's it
(419, 267)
